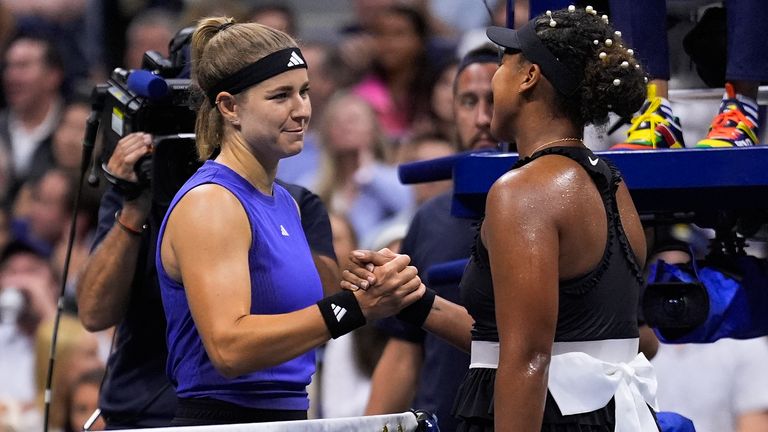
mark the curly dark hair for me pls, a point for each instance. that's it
(614, 83)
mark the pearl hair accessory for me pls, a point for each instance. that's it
(596, 42)
(617, 33)
(590, 10)
(552, 22)
(616, 82)
(631, 52)
(602, 55)
(605, 18)
(625, 64)
(571, 8)
(645, 80)
(608, 42)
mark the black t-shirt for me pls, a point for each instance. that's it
(136, 391)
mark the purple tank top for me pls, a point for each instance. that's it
(283, 279)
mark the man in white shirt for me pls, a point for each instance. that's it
(721, 386)
(32, 79)
(27, 272)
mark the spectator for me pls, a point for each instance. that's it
(25, 273)
(32, 80)
(275, 15)
(77, 351)
(721, 386)
(427, 147)
(398, 86)
(356, 178)
(43, 210)
(440, 120)
(151, 30)
(84, 401)
(68, 136)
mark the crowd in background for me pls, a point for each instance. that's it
(381, 95)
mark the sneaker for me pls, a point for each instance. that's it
(656, 127)
(735, 125)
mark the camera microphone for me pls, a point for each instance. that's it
(146, 84)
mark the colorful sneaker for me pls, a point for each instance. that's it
(735, 125)
(655, 128)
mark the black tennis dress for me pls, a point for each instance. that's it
(596, 308)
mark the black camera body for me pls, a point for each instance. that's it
(155, 99)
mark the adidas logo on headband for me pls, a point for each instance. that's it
(295, 60)
(258, 71)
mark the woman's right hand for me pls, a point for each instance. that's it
(383, 282)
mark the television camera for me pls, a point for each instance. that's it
(155, 99)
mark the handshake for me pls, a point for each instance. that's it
(384, 284)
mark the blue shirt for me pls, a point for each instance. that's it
(283, 279)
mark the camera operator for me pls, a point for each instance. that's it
(119, 287)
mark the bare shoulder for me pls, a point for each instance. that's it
(208, 208)
(540, 182)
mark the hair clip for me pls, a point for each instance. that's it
(617, 82)
(571, 8)
(608, 42)
(625, 64)
(602, 55)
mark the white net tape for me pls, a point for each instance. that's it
(403, 422)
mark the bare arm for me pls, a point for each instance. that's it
(209, 252)
(522, 245)
(450, 322)
(755, 421)
(394, 380)
(103, 290)
(328, 269)
(649, 343)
